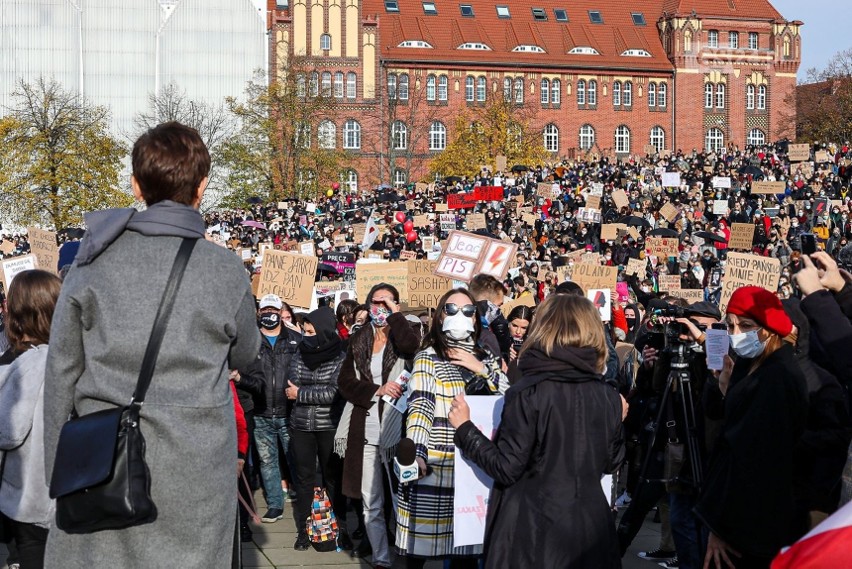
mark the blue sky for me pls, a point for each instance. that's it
(825, 31)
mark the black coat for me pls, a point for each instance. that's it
(748, 498)
(560, 432)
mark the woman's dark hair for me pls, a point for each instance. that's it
(346, 311)
(29, 308)
(437, 340)
(522, 312)
(381, 286)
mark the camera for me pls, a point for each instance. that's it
(666, 336)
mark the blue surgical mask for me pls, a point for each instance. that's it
(747, 344)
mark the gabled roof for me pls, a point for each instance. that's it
(757, 9)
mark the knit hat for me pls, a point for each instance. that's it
(763, 307)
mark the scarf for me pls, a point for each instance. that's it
(328, 344)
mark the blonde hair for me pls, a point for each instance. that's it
(565, 320)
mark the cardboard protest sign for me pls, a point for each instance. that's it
(743, 269)
(475, 221)
(662, 247)
(282, 205)
(620, 198)
(43, 246)
(6, 247)
(590, 258)
(461, 201)
(378, 255)
(671, 179)
(358, 231)
(428, 242)
(488, 193)
(669, 212)
(421, 221)
(691, 295)
(823, 156)
(409, 205)
(594, 276)
(602, 299)
(340, 241)
(633, 232)
(529, 218)
(563, 273)
(799, 152)
(407, 255)
(448, 221)
(768, 187)
(669, 283)
(508, 306)
(500, 163)
(245, 254)
(441, 207)
(742, 236)
(15, 265)
(369, 273)
(467, 255)
(289, 276)
(544, 190)
(421, 187)
(425, 288)
(609, 231)
(636, 267)
(593, 202)
(722, 182)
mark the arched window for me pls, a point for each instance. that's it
(627, 94)
(592, 95)
(399, 135)
(437, 136)
(761, 97)
(687, 41)
(351, 135)
(325, 42)
(616, 93)
(399, 178)
(314, 85)
(442, 88)
(720, 96)
(622, 140)
(658, 138)
(507, 89)
(786, 50)
(351, 85)
(326, 84)
(301, 87)
(556, 91)
(338, 85)
(551, 138)
(519, 90)
(391, 86)
(750, 91)
(469, 88)
(715, 140)
(652, 94)
(756, 137)
(430, 88)
(403, 87)
(352, 181)
(581, 92)
(662, 90)
(480, 89)
(545, 91)
(708, 95)
(327, 135)
(587, 137)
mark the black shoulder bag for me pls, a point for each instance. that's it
(100, 478)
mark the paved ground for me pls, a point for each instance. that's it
(273, 548)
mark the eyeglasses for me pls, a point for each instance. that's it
(451, 309)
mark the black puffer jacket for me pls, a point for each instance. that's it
(271, 368)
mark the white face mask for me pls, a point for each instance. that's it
(458, 326)
(747, 344)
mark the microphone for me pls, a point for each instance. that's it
(405, 462)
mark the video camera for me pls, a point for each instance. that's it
(666, 336)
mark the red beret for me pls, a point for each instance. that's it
(761, 306)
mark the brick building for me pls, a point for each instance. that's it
(592, 75)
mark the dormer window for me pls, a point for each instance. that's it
(416, 44)
(391, 6)
(583, 50)
(466, 10)
(635, 53)
(539, 14)
(474, 46)
(595, 17)
(528, 49)
(561, 14)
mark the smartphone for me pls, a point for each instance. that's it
(720, 326)
(808, 243)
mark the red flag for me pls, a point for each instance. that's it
(826, 546)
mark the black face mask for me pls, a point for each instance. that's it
(269, 321)
(631, 322)
(310, 343)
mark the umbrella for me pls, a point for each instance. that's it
(385, 187)
(326, 268)
(519, 168)
(72, 232)
(663, 232)
(254, 200)
(252, 223)
(452, 179)
(707, 236)
(635, 221)
(752, 171)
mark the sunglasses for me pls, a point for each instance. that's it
(451, 309)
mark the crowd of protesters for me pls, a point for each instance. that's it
(739, 461)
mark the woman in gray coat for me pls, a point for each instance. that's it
(100, 330)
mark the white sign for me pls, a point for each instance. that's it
(671, 179)
(596, 189)
(448, 221)
(16, 265)
(602, 300)
(307, 248)
(722, 182)
(716, 344)
(720, 207)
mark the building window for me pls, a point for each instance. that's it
(715, 140)
(756, 137)
(326, 84)
(430, 88)
(587, 137)
(560, 14)
(325, 42)
(708, 95)
(399, 178)
(595, 17)
(627, 94)
(351, 135)
(507, 89)
(761, 98)
(391, 5)
(592, 94)
(402, 90)
(652, 95)
(539, 14)
(622, 140)
(687, 41)
(733, 40)
(351, 85)
(556, 91)
(616, 94)
(545, 91)
(480, 89)
(713, 38)
(302, 135)
(314, 85)
(466, 10)
(519, 90)
(658, 138)
(720, 96)
(327, 135)
(753, 40)
(638, 19)
(750, 91)
(787, 49)
(391, 86)
(442, 88)
(581, 92)
(338, 84)
(551, 138)
(437, 136)
(662, 92)
(503, 12)
(469, 88)
(352, 181)
(301, 89)
(429, 8)
(399, 135)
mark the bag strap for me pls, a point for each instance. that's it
(163, 313)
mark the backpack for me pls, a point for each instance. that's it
(322, 523)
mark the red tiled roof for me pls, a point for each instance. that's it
(758, 9)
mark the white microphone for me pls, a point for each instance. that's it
(405, 462)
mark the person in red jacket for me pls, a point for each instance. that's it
(242, 430)
(722, 248)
